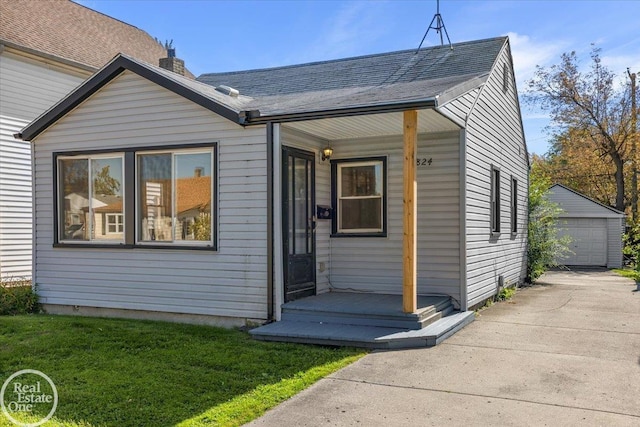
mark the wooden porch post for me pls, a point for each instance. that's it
(409, 246)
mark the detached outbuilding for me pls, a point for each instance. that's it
(348, 200)
(595, 229)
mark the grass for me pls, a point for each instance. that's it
(115, 372)
(631, 274)
(17, 297)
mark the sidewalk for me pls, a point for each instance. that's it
(565, 352)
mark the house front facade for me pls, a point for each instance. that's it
(395, 174)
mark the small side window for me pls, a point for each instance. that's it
(514, 205)
(505, 78)
(495, 200)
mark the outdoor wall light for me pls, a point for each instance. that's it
(326, 153)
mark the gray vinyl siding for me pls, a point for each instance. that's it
(374, 264)
(575, 205)
(296, 139)
(15, 202)
(494, 138)
(133, 112)
(28, 88)
(460, 107)
(615, 230)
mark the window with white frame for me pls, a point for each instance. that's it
(495, 200)
(114, 223)
(88, 186)
(173, 205)
(359, 196)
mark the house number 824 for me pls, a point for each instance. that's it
(424, 161)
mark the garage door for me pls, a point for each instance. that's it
(589, 241)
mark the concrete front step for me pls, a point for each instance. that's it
(366, 309)
(374, 337)
(425, 318)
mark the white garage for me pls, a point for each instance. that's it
(595, 229)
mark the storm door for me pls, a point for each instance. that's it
(298, 217)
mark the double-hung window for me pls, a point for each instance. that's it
(90, 198)
(514, 205)
(144, 197)
(359, 196)
(495, 200)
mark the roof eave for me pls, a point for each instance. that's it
(462, 89)
(252, 119)
(46, 56)
(118, 65)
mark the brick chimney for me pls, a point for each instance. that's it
(172, 63)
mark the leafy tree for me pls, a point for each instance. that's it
(573, 162)
(201, 227)
(104, 183)
(544, 247)
(590, 104)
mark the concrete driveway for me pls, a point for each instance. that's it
(563, 352)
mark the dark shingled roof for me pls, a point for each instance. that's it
(72, 32)
(366, 80)
(469, 58)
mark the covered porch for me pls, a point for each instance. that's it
(392, 281)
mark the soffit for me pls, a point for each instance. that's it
(373, 125)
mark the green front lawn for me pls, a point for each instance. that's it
(114, 372)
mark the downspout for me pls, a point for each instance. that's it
(270, 221)
(34, 229)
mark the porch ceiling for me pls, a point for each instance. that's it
(384, 124)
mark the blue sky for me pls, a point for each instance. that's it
(214, 36)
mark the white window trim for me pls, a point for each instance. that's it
(178, 151)
(119, 223)
(339, 197)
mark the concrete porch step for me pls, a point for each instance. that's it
(367, 320)
(366, 310)
(374, 337)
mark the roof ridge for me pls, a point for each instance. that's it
(351, 58)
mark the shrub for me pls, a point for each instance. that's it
(544, 247)
(18, 297)
(631, 248)
(506, 294)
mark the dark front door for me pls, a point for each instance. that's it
(298, 190)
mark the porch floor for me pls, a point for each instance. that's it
(365, 320)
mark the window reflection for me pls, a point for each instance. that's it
(175, 197)
(88, 204)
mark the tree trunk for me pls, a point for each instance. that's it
(619, 175)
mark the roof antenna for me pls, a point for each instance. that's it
(439, 27)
